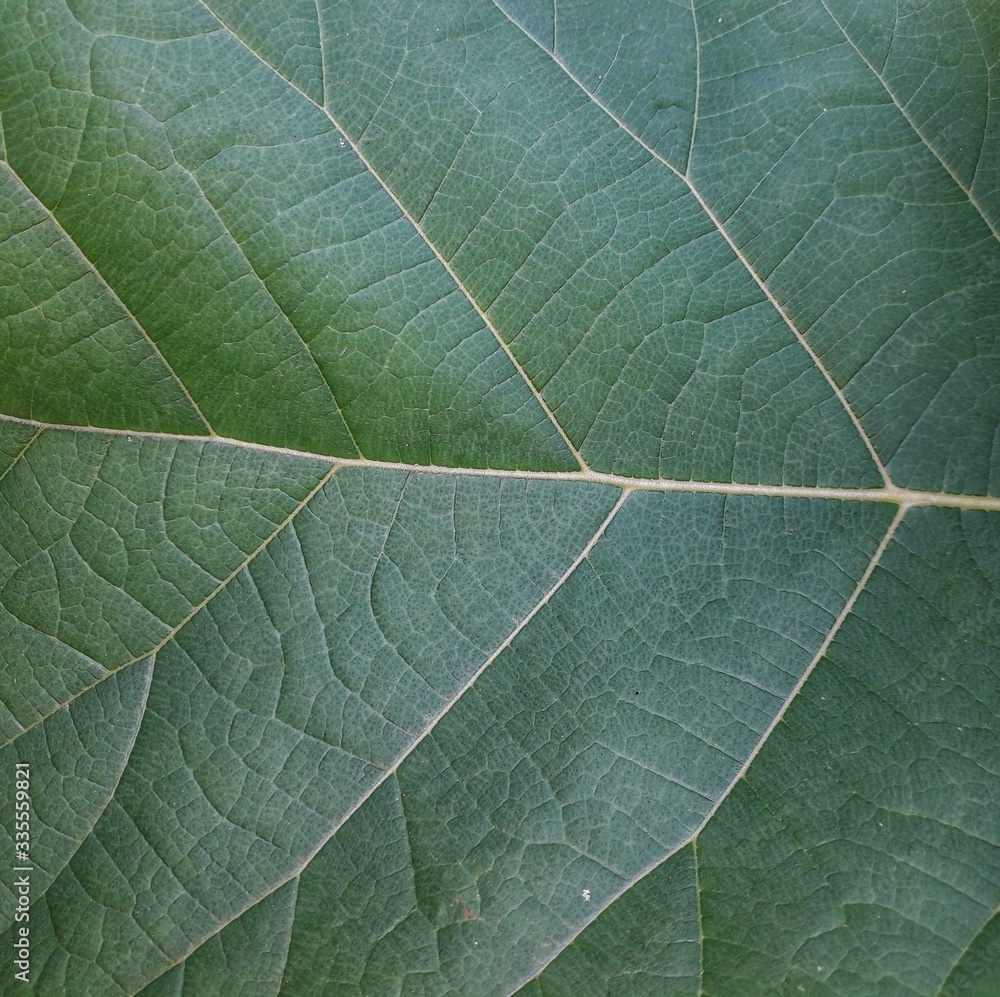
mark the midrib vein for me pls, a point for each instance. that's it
(911, 121)
(727, 238)
(893, 494)
(422, 736)
(418, 228)
(112, 294)
(692, 838)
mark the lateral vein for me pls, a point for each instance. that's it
(174, 630)
(253, 269)
(418, 228)
(728, 239)
(894, 494)
(418, 740)
(911, 121)
(113, 295)
(20, 454)
(692, 838)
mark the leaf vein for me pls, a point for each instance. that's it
(817, 657)
(734, 248)
(894, 495)
(263, 284)
(169, 636)
(429, 729)
(418, 228)
(901, 107)
(113, 295)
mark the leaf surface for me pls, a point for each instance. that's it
(502, 497)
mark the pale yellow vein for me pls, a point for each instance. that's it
(734, 248)
(418, 228)
(692, 838)
(419, 739)
(911, 121)
(246, 259)
(697, 86)
(20, 454)
(174, 630)
(893, 494)
(113, 295)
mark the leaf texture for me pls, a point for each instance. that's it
(502, 497)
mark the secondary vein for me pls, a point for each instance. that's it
(195, 609)
(797, 688)
(685, 178)
(418, 228)
(113, 295)
(418, 740)
(911, 121)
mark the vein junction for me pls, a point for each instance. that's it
(891, 493)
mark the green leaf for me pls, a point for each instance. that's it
(500, 497)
